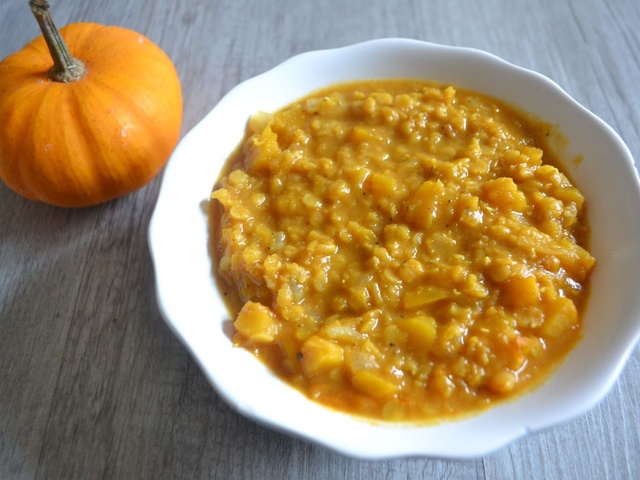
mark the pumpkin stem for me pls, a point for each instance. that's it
(65, 68)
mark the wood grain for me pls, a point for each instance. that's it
(92, 382)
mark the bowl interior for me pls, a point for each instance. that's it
(193, 308)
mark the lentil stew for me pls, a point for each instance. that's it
(402, 250)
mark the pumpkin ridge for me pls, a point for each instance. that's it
(32, 177)
(11, 122)
(72, 176)
(102, 47)
(86, 146)
(147, 113)
(131, 167)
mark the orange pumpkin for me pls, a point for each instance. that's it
(101, 133)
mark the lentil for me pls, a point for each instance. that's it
(402, 250)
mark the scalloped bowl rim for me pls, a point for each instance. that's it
(193, 308)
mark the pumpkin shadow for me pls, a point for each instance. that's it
(106, 359)
(21, 218)
(73, 283)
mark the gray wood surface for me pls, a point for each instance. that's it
(92, 382)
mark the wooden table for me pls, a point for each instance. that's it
(92, 382)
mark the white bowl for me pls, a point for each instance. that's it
(193, 308)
